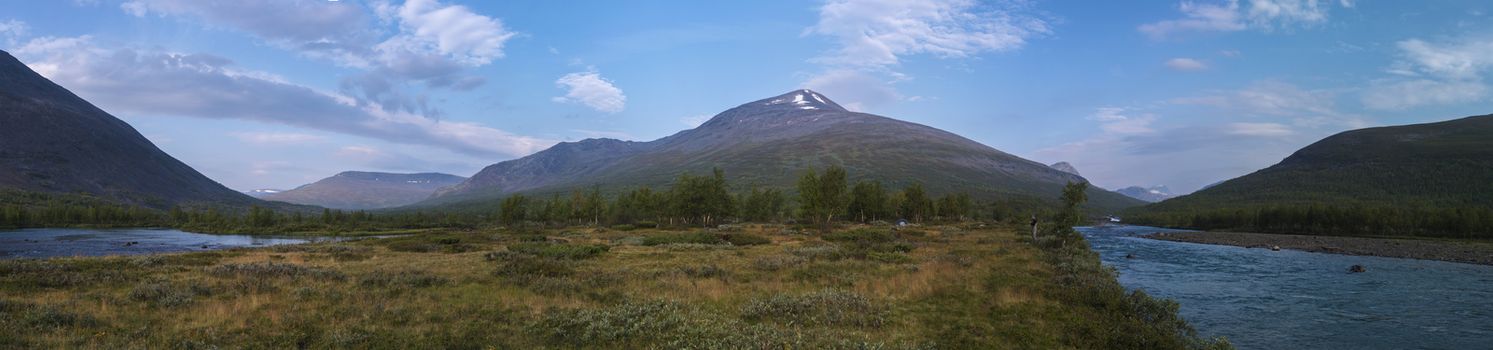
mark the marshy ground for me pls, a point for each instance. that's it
(753, 286)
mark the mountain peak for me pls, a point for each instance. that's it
(803, 99)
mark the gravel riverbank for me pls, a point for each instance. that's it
(1454, 251)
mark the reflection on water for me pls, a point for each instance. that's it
(49, 242)
(1262, 299)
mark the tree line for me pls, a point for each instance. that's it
(1381, 220)
(823, 197)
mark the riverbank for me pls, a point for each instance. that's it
(1453, 251)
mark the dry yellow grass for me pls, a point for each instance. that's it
(440, 294)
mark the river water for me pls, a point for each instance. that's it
(54, 242)
(1262, 299)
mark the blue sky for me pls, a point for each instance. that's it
(278, 93)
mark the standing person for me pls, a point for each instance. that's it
(1034, 228)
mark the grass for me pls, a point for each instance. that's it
(861, 288)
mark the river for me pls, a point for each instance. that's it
(55, 242)
(1262, 299)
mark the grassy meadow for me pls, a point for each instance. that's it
(750, 286)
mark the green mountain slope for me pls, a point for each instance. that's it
(1434, 178)
(768, 143)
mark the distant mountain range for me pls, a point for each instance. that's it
(1148, 194)
(52, 141)
(260, 193)
(1065, 167)
(769, 143)
(366, 190)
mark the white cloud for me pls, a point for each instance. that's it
(1260, 129)
(12, 30)
(1186, 64)
(1400, 95)
(853, 89)
(876, 32)
(1269, 98)
(277, 138)
(206, 86)
(590, 89)
(1229, 16)
(874, 36)
(1198, 17)
(421, 41)
(451, 30)
(1114, 121)
(1444, 73)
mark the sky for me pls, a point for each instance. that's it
(279, 93)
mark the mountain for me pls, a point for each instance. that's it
(1065, 167)
(769, 143)
(1433, 178)
(367, 190)
(260, 193)
(1151, 194)
(52, 141)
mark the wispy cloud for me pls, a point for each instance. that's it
(873, 36)
(1229, 16)
(207, 86)
(1183, 64)
(1434, 73)
(277, 138)
(590, 89)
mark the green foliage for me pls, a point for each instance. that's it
(1074, 195)
(681, 238)
(822, 197)
(823, 308)
(560, 251)
(915, 204)
(869, 202)
(1326, 219)
(743, 239)
(767, 205)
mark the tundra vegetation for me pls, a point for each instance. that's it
(646, 269)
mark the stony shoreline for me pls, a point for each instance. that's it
(1462, 252)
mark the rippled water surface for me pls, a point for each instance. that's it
(49, 242)
(1262, 299)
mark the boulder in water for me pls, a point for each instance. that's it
(1356, 269)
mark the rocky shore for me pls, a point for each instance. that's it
(1454, 251)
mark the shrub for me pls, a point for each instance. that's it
(560, 251)
(823, 308)
(862, 235)
(15, 315)
(408, 278)
(624, 227)
(818, 252)
(166, 294)
(889, 257)
(704, 271)
(673, 238)
(273, 269)
(525, 269)
(646, 224)
(777, 262)
(743, 239)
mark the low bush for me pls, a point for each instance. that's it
(560, 251)
(862, 235)
(777, 262)
(20, 315)
(704, 271)
(744, 239)
(624, 227)
(407, 278)
(167, 294)
(828, 307)
(525, 269)
(275, 270)
(676, 238)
